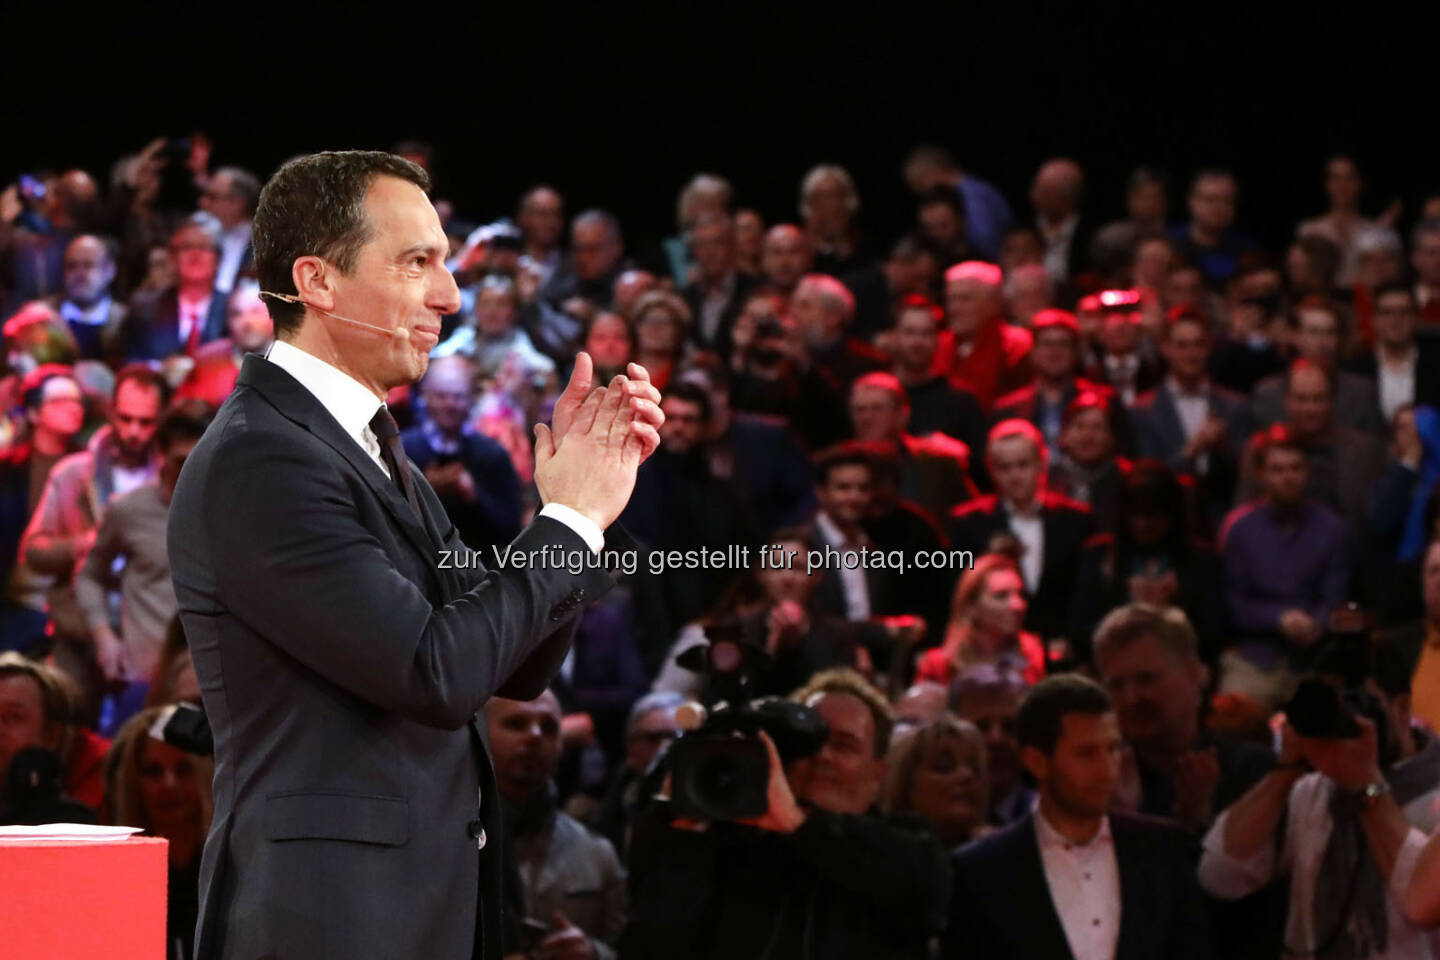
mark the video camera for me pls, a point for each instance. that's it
(721, 769)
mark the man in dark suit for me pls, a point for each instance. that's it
(1056, 361)
(1318, 339)
(1051, 529)
(1122, 362)
(1192, 425)
(717, 294)
(1073, 880)
(178, 319)
(1402, 366)
(344, 637)
(86, 305)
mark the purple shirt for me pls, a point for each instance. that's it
(1283, 561)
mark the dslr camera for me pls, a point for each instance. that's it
(721, 769)
(1326, 704)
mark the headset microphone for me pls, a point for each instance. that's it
(399, 333)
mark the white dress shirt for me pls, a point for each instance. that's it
(1057, 242)
(1084, 881)
(1307, 831)
(1397, 382)
(1029, 529)
(353, 405)
(233, 243)
(856, 589)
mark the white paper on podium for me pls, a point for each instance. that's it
(66, 831)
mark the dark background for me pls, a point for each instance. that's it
(618, 107)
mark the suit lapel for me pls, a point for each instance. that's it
(287, 395)
(1133, 891)
(1167, 417)
(1046, 937)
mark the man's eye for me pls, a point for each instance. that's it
(420, 261)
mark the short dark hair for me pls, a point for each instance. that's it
(145, 375)
(944, 196)
(315, 206)
(691, 393)
(1043, 711)
(846, 454)
(243, 184)
(186, 420)
(1386, 289)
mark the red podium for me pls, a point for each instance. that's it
(79, 900)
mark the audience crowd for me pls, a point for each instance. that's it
(1184, 480)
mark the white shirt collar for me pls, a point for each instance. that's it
(348, 400)
(1179, 392)
(1050, 837)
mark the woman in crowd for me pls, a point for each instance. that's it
(661, 319)
(610, 342)
(985, 616)
(938, 772)
(166, 792)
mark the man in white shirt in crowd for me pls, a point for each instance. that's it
(1073, 879)
(230, 198)
(1355, 811)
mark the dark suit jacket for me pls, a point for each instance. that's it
(695, 299)
(1158, 434)
(98, 341)
(1427, 373)
(342, 665)
(152, 330)
(1002, 908)
(1067, 526)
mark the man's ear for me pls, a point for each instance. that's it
(314, 281)
(1035, 762)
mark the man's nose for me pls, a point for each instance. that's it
(446, 297)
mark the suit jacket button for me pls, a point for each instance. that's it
(480, 841)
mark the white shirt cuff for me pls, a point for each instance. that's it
(587, 529)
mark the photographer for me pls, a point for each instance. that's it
(1355, 808)
(818, 875)
(49, 769)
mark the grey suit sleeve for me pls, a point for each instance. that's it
(292, 559)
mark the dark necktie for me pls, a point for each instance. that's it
(393, 452)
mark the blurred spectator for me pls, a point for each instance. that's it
(704, 196)
(1152, 557)
(1318, 340)
(649, 731)
(1021, 246)
(757, 454)
(989, 697)
(574, 292)
(167, 792)
(1088, 470)
(978, 347)
(1055, 359)
(1103, 882)
(1312, 268)
(1117, 247)
(787, 256)
(133, 527)
(769, 377)
(987, 214)
(921, 703)
(230, 197)
(1249, 348)
(938, 772)
(571, 880)
(1343, 224)
(717, 293)
(1210, 240)
(87, 305)
(471, 473)
(936, 404)
(1125, 361)
(174, 680)
(1056, 194)
(828, 204)
(662, 329)
(880, 290)
(1287, 566)
(842, 490)
(1344, 463)
(630, 286)
(749, 241)
(824, 310)
(49, 768)
(1425, 259)
(934, 470)
(940, 213)
(870, 885)
(610, 341)
(986, 615)
(1028, 292)
(1404, 368)
(55, 413)
(541, 219)
(176, 321)
(494, 336)
(1049, 529)
(1194, 426)
(118, 459)
(217, 365)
